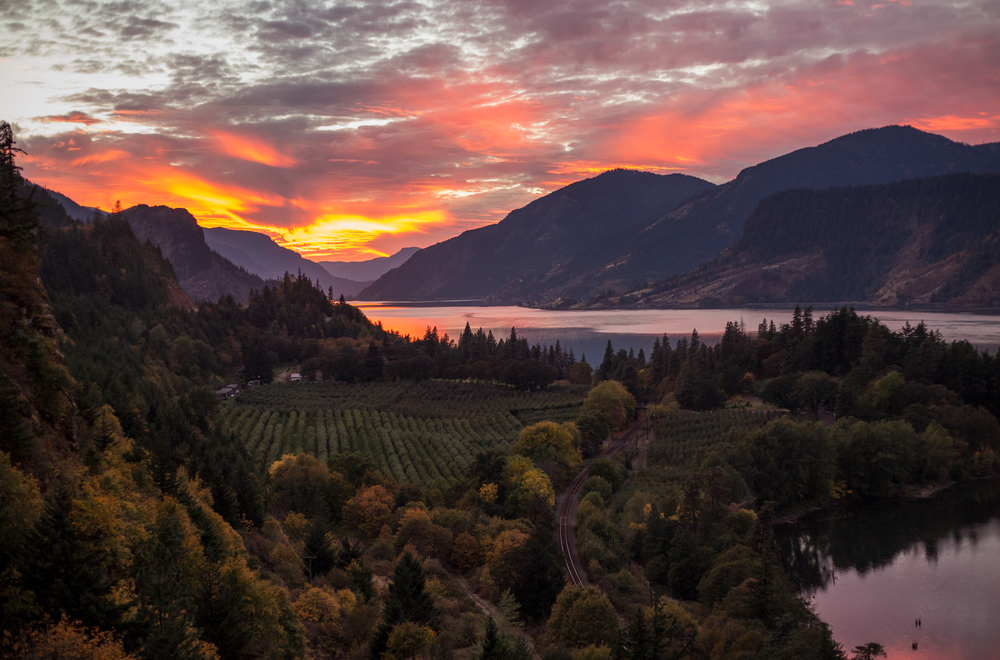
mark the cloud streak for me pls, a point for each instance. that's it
(348, 130)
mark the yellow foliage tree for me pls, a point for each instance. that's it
(548, 441)
(68, 639)
(409, 640)
(489, 493)
(369, 509)
(319, 606)
(527, 486)
(503, 560)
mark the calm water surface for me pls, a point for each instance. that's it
(871, 572)
(868, 572)
(588, 331)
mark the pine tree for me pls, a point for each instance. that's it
(408, 601)
(68, 574)
(492, 646)
(17, 214)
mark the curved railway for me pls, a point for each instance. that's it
(567, 509)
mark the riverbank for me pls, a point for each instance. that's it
(913, 492)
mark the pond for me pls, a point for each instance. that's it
(871, 572)
(588, 331)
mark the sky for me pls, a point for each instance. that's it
(348, 130)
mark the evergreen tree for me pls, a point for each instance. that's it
(492, 647)
(541, 578)
(17, 214)
(408, 601)
(69, 574)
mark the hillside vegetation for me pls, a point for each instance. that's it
(922, 241)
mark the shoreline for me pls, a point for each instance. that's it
(909, 493)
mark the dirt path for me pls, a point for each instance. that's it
(489, 609)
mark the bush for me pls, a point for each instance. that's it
(598, 485)
(608, 470)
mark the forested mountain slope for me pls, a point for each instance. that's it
(106, 546)
(934, 240)
(540, 250)
(203, 274)
(700, 229)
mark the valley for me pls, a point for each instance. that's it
(410, 474)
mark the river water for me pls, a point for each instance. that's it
(871, 572)
(589, 331)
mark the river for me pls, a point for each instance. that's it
(869, 572)
(872, 571)
(588, 331)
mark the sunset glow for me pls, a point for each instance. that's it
(348, 132)
(252, 149)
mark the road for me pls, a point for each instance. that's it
(567, 513)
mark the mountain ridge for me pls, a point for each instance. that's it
(370, 269)
(539, 246)
(202, 273)
(700, 229)
(691, 233)
(258, 254)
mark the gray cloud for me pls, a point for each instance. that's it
(396, 99)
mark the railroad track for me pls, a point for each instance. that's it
(567, 510)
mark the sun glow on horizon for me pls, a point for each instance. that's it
(331, 235)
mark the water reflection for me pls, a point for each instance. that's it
(871, 572)
(588, 331)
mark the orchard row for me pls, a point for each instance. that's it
(429, 452)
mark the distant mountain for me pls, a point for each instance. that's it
(613, 232)
(203, 274)
(921, 241)
(73, 210)
(540, 250)
(260, 255)
(700, 229)
(370, 270)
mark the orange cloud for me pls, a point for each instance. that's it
(464, 149)
(252, 149)
(953, 123)
(75, 117)
(100, 157)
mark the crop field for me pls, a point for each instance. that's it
(422, 433)
(684, 437)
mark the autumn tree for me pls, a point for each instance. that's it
(409, 640)
(303, 484)
(465, 552)
(549, 442)
(529, 489)
(608, 408)
(582, 616)
(369, 509)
